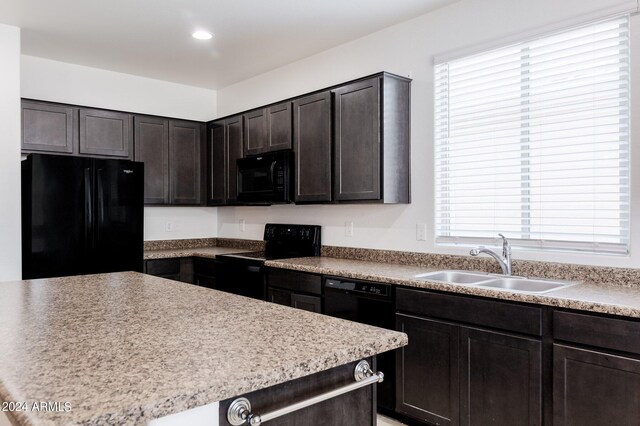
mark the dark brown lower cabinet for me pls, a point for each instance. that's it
(356, 408)
(297, 289)
(427, 384)
(204, 272)
(500, 379)
(178, 269)
(594, 388)
(453, 373)
(296, 300)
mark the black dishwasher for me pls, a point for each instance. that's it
(367, 303)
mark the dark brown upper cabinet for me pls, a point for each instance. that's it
(312, 147)
(216, 174)
(224, 147)
(151, 139)
(49, 127)
(279, 126)
(185, 142)
(267, 129)
(233, 151)
(371, 140)
(105, 133)
(255, 132)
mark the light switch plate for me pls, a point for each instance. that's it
(348, 229)
(241, 225)
(421, 232)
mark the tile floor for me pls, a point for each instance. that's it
(386, 421)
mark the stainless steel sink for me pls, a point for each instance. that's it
(456, 277)
(528, 285)
(502, 282)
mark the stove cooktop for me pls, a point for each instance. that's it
(284, 241)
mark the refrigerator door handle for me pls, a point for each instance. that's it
(88, 206)
(101, 212)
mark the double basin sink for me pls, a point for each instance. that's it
(503, 282)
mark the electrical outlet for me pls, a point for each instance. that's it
(241, 225)
(421, 232)
(348, 229)
(170, 227)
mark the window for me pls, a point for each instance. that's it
(532, 140)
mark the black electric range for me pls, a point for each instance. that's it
(243, 273)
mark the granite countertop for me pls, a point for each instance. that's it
(126, 347)
(209, 252)
(588, 296)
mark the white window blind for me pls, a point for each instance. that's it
(532, 140)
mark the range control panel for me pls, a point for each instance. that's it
(359, 287)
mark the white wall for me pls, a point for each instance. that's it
(171, 223)
(406, 49)
(10, 236)
(49, 80)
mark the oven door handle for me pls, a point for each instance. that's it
(252, 268)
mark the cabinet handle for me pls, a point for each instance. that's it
(239, 411)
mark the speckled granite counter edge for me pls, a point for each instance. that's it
(625, 277)
(192, 243)
(286, 372)
(170, 249)
(547, 299)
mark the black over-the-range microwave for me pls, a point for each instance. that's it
(265, 178)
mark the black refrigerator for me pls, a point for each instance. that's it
(80, 216)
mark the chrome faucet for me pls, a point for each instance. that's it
(504, 261)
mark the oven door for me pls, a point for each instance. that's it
(241, 276)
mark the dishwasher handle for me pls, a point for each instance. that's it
(377, 290)
(340, 285)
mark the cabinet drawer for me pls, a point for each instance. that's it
(204, 281)
(611, 333)
(296, 281)
(481, 312)
(163, 267)
(204, 266)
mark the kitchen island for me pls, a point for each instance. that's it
(126, 348)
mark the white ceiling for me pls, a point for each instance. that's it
(152, 38)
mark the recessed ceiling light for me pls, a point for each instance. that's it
(202, 35)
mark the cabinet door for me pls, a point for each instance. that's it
(105, 133)
(312, 146)
(162, 267)
(281, 297)
(216, 176)
(48, 127)
(500, 379)
(306, 303)
(594, 388)
(151, 137)
(357, 141)
(184, 164)
(255, 132)
(427, 371)
(233, 151)
(279, 122)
